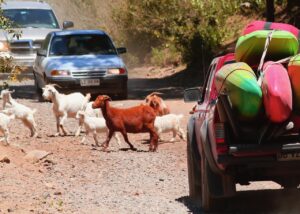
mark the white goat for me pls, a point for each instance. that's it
(4, 121)
(87, 107)
(169, 123)
(94, 125)
(23, 113)
(6, 97)
(63, 106)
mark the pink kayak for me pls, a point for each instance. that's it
(277, 92)
(262, 25)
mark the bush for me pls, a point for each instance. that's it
(192, 27)
(165, 56)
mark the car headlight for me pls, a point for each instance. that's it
(60, 73)
(4, 46)
(116, 71)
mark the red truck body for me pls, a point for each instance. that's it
(223, 152)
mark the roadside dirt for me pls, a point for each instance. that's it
(79, 178)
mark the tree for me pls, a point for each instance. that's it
(292, 3)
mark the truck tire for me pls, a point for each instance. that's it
(208, 202)
(194, 171)
(208, 178)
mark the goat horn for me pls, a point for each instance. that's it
(54, 84)
(155, 93)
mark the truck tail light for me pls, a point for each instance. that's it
(222, 147)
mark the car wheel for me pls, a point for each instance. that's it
(38, 90)
(124, 94)
(194, 169)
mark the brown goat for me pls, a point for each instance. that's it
(131, 120)
(157, 103)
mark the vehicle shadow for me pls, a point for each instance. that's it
(255, 201)
(171, 87)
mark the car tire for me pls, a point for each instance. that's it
(194, 169)
(38, 90)
(124, 94)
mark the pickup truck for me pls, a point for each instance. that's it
(34, 20)
(223, 152)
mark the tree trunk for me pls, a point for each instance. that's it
(270, 10)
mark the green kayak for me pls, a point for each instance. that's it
(250, 47)
(238, 81)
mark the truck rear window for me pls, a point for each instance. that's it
(31, 18)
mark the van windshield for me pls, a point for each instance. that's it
(82, 44)
(31, 18)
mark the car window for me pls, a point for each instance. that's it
(31, 18)
(81, 45)
(207, 83)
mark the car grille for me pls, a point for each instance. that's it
(80, 74)
(25, 46)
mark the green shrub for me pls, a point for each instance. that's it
(165, 56)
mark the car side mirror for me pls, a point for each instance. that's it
(121, 50)
(192, 94)
(41, 52)
(68, 24)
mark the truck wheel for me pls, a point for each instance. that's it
(194, 170)
(208, 202)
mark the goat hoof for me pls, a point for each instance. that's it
(133, 149)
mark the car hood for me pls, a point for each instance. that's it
(84, 62)
(27, 33)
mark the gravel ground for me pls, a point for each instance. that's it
(79, 178)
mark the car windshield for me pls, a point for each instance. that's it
(31, 18)
(81, 45)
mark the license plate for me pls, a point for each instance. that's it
(288, 156)
(89, 82)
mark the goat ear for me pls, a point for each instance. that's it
(105, 97)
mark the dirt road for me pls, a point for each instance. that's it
(79, 178)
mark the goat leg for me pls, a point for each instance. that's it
(77, 132)
(57, 126)
(117, 138)
(95, 138)
(124, 133)
(174, 135)
(182, 134)
(84, 137)
(61, 123)
(153, 139)
(106, 142)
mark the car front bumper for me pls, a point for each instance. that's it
(113, 85)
